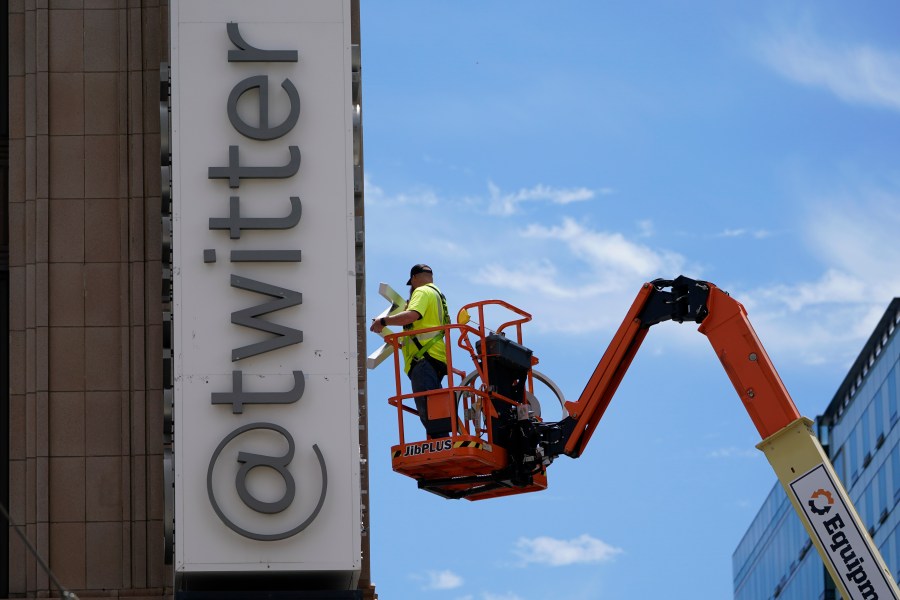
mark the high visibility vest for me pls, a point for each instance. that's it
(428, 301)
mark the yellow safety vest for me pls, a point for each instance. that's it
(428, 301)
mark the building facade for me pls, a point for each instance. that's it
(83, 419)
(775, 559)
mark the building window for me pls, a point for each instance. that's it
(867, 440)
(892, 393)
(895, 471)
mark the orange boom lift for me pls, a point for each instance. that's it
(499, 444)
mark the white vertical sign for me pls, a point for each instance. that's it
(266, 415)
(846, 546)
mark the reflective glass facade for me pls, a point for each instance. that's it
(775, 559)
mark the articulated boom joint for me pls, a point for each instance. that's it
(685, 301)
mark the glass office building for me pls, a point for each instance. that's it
(775, 559)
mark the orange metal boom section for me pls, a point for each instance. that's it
(747, 364)
(735, 342)
(590, 406)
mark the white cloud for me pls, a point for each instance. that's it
(498, 202)
(758, 234)
(859, 74)
(825, 317)
(442, 580)
(376, 196)
(855, 232)
(560, 267)
(607, 251)
(556, 553)
(833, 287)
(539, 278)
(823, 331)
(507, 204)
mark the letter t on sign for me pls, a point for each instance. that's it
(248, 53)
(237, 398)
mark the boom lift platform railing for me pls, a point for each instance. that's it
(470, 463)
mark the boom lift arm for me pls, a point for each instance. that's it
(510, 452)
(724, 322)
(799, 461)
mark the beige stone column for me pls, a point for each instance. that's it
(85, 319)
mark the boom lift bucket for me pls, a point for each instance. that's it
(483, 408)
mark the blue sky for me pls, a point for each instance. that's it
(557, 156)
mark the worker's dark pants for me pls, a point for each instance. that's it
(426, 374)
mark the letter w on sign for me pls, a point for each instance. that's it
(249, 317)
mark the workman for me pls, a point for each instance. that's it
(424, 354)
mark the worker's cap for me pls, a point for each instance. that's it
(416, 270)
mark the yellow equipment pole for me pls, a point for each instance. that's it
(825, 509)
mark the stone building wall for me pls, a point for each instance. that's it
(85, 321)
